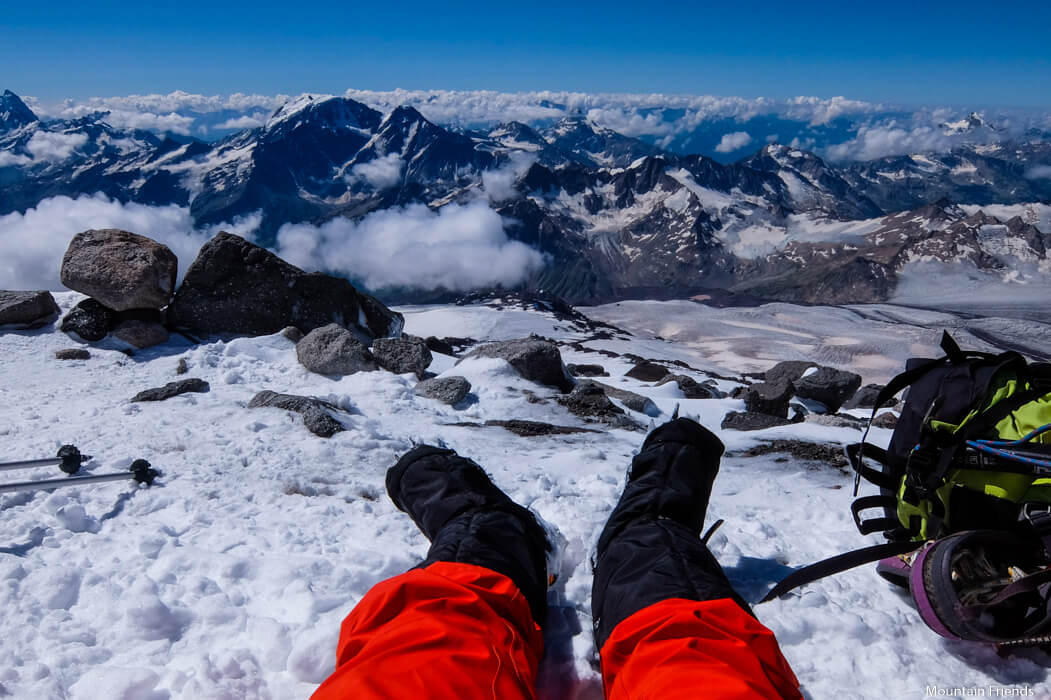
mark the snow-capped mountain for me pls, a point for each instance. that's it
(615, 216)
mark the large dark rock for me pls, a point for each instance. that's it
(121, 270)
(173, 389)
(829, 386)
(26, 308)
(315, 412)
(741, 420)
(587, 370)
(90, 320)
(450, 390)
(439, 346)
(789, 370)
(535, 359)
(885, 420)
(405, 354)
(237, 287)
(141, 334)
(590, 402)
(648, 372)
(865, 397)
(693, 389)
(770, 398)
(332, 349)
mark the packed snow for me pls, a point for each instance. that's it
(230, 576)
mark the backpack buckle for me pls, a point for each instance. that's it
(1037, 515)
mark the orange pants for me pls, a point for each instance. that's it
(462, 632)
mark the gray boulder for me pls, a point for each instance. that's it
(589, 401)
(90, 320)
(770, 398)
(72, 354)
(635, 402)
(315, 412)
(741, 420)
(450, 390)
(26, 308)
(332, 349)
(171, 389)
(405, 354)
(829, 386)
(535, 359)
(836, 420)
(789, 370)
(237, 287)
(865, 397)
(692, 388)
(648, 372)
(587, 370)
(121, 270)
(141, 334)
(885, 420)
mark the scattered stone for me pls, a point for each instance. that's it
(439, 346)
(237, 287)
(315, 412)
(182, 367)
(590, 402)
(807, 451)
(647, 371)
(333, 349)
(789, 371)
(26, 308)
(692, 388)
(405, 354)
(836, 420)
(633, 401)
(770, 398)
(121, 270)
(72, 354)
(885, 420)
(535, 359)
(141, 334)
(450, 390)
(742, 420)
(90, 320)
(829, 386)
(292, 333)
(171, 389)
(587, 370)
(608, 353)
(530, 428)
(865, 397)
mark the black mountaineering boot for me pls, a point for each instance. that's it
(650, 549)
(470, 521)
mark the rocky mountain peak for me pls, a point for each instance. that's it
(13, 112)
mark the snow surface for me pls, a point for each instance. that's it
(230, 576)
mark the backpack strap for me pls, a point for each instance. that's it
(837, 564)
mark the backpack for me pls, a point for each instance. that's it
(965, 496)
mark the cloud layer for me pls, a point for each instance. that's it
(733, 141)
(459, 247)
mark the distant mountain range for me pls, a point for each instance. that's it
(617, 216)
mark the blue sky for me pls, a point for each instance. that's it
(958, 53)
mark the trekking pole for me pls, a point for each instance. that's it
(140, 471)
(68, 458)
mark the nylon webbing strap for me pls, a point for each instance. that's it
(837, 564)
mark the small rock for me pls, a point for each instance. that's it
(770, 398)
(171, 389)
(26, 308)
(829, 386)
(292, 333)
(72, 354)
(533, 358)
(587, 370)
(836, 420)
(530, 428)
(182, 367)
(633, 401)
(590, 402)
(865, 397)
(741, 420)
(808, 451)
(121, 270)
(646, 371)
(333, 349)
(405, 354)
(90, 320)
(440, 346)
(692, 388)
(315, 412)
(450, 390)
(789, 370)
(885, 420)
(141, 334)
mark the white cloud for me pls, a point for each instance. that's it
(172, 121)
(54, 146)
(499, 184)
(891, 139)
(1039, 172)
(9, 158)
(460, 246)
(33, 243)
(248, 121)
(380, 173)
(733, 141)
